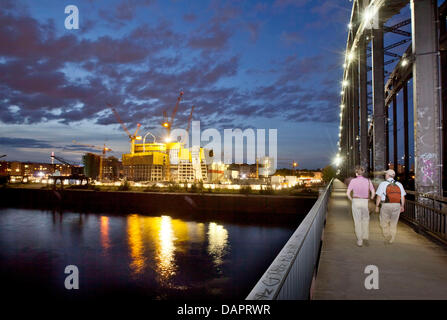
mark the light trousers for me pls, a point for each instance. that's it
(389, 217)
(360, 214)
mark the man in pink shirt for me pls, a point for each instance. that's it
(360, 186)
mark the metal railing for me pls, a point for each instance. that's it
(426, 218)
(289, 277)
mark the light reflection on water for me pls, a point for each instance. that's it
(134, 236)
(167, 236)
(164, 256)
(217, 242)
(105, 241)
(165, 250)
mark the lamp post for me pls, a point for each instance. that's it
(295, 164)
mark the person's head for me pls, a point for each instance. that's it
(359, 171)
(390, 174)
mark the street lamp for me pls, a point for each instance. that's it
(295, 164)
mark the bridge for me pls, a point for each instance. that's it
(382, 126)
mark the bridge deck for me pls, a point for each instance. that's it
(412, 267)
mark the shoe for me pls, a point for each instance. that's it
(360, 243)
(388, 240)
(391, 240)
(366, 242)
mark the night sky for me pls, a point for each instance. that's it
(243, 64)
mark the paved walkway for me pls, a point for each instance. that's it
(412, 267)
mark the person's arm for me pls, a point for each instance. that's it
(377, 203)
(348, 193)
(402, 197)
(379, 197)
(371, 188)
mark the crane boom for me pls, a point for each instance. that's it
(174, 112)
(117, 116)
(190, 118)
(136, 130)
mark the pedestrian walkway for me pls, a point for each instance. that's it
(413, 267)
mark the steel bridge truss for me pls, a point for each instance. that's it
(364, 135)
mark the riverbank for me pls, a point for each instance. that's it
(228, 207)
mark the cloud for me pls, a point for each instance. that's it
(123, 12)
(70, 79)
(212, 38)
(287, 3)
(24, 143)
(189, 17)
(253, 29)
(291, 38)
(78, 148)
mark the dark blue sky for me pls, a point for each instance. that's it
(243, 64)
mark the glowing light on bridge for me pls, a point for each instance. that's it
(369, 14)
(337, 160)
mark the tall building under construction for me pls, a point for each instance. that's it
(166, 162)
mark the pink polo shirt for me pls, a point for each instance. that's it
(360, 186)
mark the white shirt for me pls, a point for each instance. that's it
(381, 190)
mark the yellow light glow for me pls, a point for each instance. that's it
(165, 255)
(218, 242)
(104, 230)
(135, 240)
(165, 124)
(138, 138)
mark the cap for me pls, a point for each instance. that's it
(390, 172)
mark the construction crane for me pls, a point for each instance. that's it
(167, 123)
(189, 120)
(132, 137)
(75, 170)
(104, 150)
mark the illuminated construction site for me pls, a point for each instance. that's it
(168, 161)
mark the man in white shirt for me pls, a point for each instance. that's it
(389, 212)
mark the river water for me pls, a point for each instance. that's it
(149, 257)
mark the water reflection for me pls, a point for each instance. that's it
(104, 230)
(163, 238)
(196, 232)
(135, 240)
(217, 243)
(165, 251)
(161, 257)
